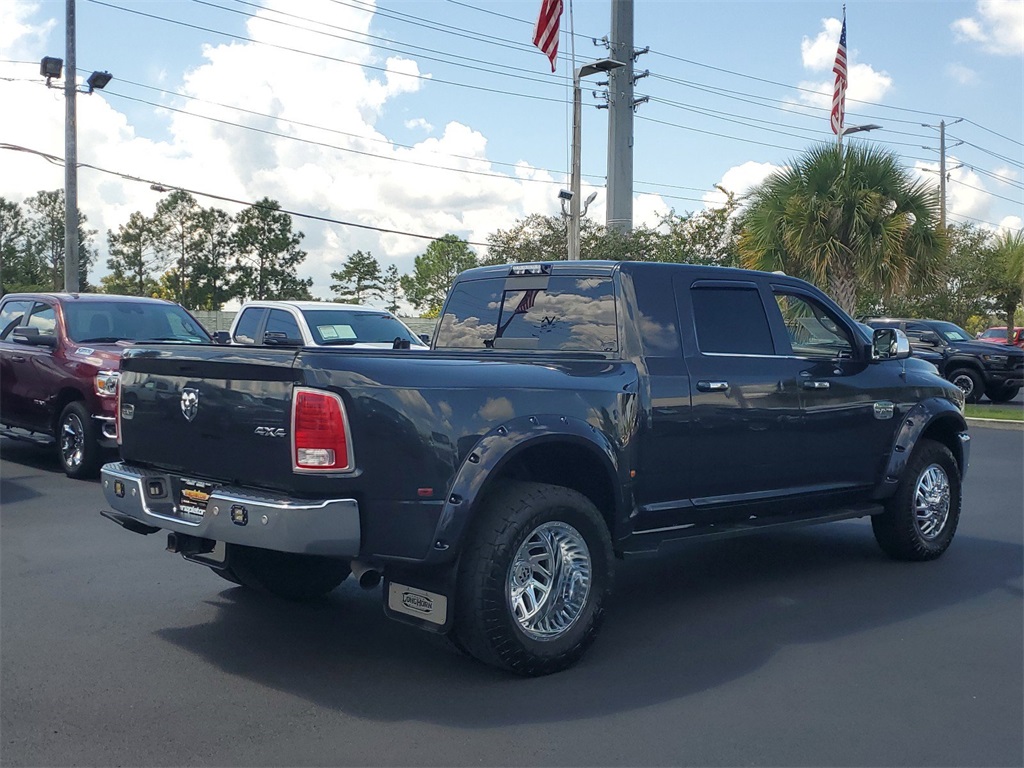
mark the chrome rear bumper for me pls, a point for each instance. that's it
(236, 515)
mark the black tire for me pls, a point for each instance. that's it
(921, 518)
(518, 519)
(1002, 394)
(284, 574)
(970, 383)
(78, 446)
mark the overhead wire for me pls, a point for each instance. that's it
(56, 160)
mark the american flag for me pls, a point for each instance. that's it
(545, 34)
(526, 303)
(839, 94)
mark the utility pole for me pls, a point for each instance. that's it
(70, 154)
(942, 174)
(619, 211)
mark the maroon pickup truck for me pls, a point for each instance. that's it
(59, 360)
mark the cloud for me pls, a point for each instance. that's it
(346, 169)
(18, 37)
(419, 123)
(961, 74)
(739, 180)
(864, 82)
(998, 27)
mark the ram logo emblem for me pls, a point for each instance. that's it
(189, 403)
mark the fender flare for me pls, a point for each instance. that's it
(483, 464)
(915, 424)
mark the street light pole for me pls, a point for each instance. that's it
(70, 153)
(604, 65)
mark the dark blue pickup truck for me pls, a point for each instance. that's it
(567, 415)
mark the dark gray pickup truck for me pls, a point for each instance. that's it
(567, 415)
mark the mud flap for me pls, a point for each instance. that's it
(424, 598)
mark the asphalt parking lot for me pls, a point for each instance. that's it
(807, 647)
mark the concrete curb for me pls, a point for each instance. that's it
(996, 423)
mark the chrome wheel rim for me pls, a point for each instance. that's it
(72, 441)
(965, 383)
(549, 581)
(931, 502)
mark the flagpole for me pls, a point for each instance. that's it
(573, 239)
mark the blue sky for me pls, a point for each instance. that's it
(439, 116)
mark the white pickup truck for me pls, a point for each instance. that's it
(318, 324)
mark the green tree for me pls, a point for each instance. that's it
(213, 253)
(543, 238)
(710, 236)
(46, 237)
(358, 280)
(174, 229)
(1006, 281)
(844, 219)
(135, 259)
(960, 292)
(535, 238)
(20, 270)
(392, 288)
(268, 254)
(435, 270)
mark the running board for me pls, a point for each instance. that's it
(26, 436)
(672, 537)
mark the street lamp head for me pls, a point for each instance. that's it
(859, 128)
(98, 80)
(50, 67)
(602, 65)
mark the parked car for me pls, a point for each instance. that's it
(997, 335)
(319, 324)
(59, 359)
(976, 367)
(567, 414)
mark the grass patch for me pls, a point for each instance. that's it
(1008, 412)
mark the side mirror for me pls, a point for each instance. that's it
(425, 338)
(889, 344)
(33, 338)
(221, 337)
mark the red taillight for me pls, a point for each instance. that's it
(319, 432)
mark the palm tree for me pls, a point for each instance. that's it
(845, 218)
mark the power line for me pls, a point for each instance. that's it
(56, 160)
(326, 57)
(1018, 142)
(985, 191)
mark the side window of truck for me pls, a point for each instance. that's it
(43, 317)
(12, 314)
(282, 328)
(812, 330)
(731, 321)
(248, 325)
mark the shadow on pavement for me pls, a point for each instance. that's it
(711, 614)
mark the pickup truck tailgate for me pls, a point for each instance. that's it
(211, 412)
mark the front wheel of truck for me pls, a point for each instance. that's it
(534, 579)
(284, 574)
(921, 517)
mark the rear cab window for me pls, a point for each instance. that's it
(731, 320)
(561, 312)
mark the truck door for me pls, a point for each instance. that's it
(14, 363)
(850, 405)
(41, 376)
(745, 420)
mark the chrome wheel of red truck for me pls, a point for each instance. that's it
(78, 442)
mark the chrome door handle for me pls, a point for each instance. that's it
(712, 386)
(17, 359)
(816, 385)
